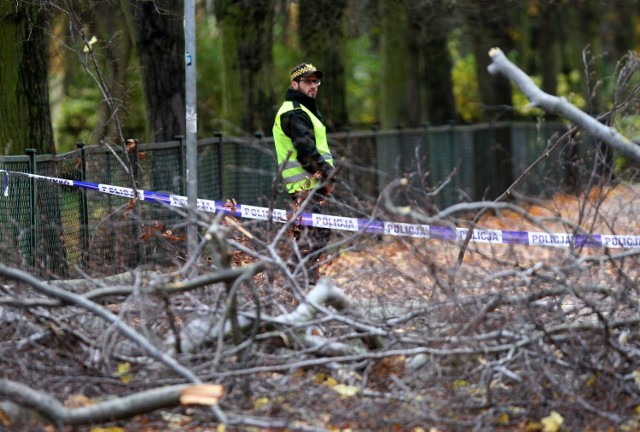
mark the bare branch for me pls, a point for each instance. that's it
(109, 410)
(556, 105)
(74, 299)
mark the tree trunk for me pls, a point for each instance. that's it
(488, 26)
(26, 120)
(323, 42)
(398, 66)
(24, 99)
(436, 72)
(160, 42)
(246, 31)
(113, 55)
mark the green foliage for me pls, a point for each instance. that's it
(629, 126)
(78, 117)
(209, 74)
(569, 88)
(364, 74)
(465, 85)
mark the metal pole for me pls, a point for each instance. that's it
(84, 209)
(33, 238)
(191, 123)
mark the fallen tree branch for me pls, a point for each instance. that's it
(557, 105)
(126, 330)
(108, 410)
(159, 285)
(202, 331)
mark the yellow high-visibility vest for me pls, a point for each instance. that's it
(295, 177)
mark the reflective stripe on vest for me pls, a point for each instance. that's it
(295, 177)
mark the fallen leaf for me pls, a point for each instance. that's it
(260, 403)
(345, 390)
(552, 423)
(5, 420)
(124, 372)
(330, 382)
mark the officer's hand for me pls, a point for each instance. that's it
(329, 188)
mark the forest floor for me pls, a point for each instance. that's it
(389, 278)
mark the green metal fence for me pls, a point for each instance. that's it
(59, 231)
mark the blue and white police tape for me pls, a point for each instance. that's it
(342, 223)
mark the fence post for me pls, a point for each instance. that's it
(347, 140)
(259, 193)
(220, 156)
(402, 163)
(426, 142)
(380, 176)
(182, 164)
(84, 210)
(132, 149)
(31, 152)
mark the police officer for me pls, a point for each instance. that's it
(300, 138)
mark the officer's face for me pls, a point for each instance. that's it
(308, 85)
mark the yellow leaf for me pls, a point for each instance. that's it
(320, 378)
(638, 410)
(460, 383)
(503, 418)
(87, 46)
(330, 382)
(201, 394)
(592, 380)
(552, 423)
(345, 390)
(124, 372)
(261, 403)
(221, 428)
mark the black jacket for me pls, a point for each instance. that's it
(297, 125)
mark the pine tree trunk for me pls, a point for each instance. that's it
(488, 27)
(433, 20)
(24, 99)
(396, 63)
(160, 43)
(323, 43)
(246, 30)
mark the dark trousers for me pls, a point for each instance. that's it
(310, 239)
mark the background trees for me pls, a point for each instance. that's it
(391, 62)
(445, 334)
(245, 32)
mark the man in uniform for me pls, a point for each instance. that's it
(300, 137)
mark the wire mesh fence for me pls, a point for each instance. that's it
(60, 231)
